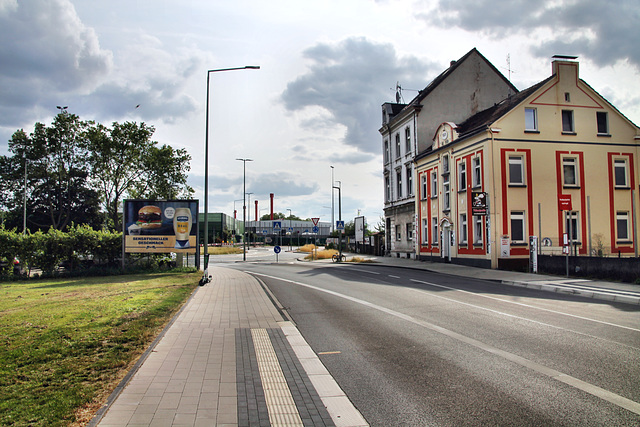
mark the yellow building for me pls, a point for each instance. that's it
(556, 162)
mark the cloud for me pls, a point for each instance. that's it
(603, 32)
(350, 80)
(45, 51)
(49, 57)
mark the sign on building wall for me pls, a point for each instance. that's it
(478, 203)
(160, 226)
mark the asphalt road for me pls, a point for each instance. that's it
(413, 348)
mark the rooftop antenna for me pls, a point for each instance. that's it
(399, 90)
(509, 70)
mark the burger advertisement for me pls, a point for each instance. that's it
(160, 226)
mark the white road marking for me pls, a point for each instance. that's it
(524, 305)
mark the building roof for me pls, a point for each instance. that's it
(454, 65)
(481, 120)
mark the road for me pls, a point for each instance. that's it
(414, 348)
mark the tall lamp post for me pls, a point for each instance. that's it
(244, 207)
(247, 233)
(339, 187)
(332, 209)
(290, 231)
(205, 277)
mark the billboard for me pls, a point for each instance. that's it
(161, 226)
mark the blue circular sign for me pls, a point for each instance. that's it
(316, 229)
(276, 249)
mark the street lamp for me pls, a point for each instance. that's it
(62, 109)
(339, 215)
(244, 207)
(332, 209)
(290, 230)
(249, 220)
(205, 277)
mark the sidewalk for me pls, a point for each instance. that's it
(597, 289)
(229, 359)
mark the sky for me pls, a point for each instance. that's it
(326, 67)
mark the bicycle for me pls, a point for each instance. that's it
(339, 258)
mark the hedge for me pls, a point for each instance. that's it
(76, 248)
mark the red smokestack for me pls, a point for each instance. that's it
(271, 197)
(256, 210)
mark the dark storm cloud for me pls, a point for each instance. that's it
(604, 32)
(351, 80)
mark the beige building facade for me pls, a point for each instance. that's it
(555, 162)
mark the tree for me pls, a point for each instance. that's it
(125, 162)
(58, 189)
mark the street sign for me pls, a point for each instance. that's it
(316, 229)
(277, 225)
(276, 249)
(264, 231)
(564, 202)
(340, 225)
(315, 221)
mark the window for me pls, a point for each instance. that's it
(516, 170)
(387, 188)
(446, 203)
(407, 141)
(397, 145)
(477, 229)
(567, 121)
(424, 186)
(445, 164)
(409, 181)
(434, 184)
(530, 119)
(386, 151)
(620, 172)
(569, 171)
(425, 231)
(603, 122)
(435, 237)
(517, 227)
(463, 228)
(398, 233)
(567, 97)
(399, 183)
(477, 173)
(462, 175)
(572, 226)
(622, 225)
(410, 232)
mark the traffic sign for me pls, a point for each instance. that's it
(277, 225)
(316, 229)
(340, 225)
(276, 249)
(315, 220)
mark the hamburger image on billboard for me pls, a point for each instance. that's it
(149, 217)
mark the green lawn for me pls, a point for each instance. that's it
(66, 343)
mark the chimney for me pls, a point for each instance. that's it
(271, 197)
(559, 60)
(256, 210)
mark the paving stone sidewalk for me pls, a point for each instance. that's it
(227, 360)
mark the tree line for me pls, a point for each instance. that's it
(78, 172)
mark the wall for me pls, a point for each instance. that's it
(606, 268)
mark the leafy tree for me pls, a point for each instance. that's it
(127, 163)
(58, 188)
(280, 215)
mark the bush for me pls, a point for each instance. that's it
(77, 249)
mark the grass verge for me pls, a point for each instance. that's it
(66, 343)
